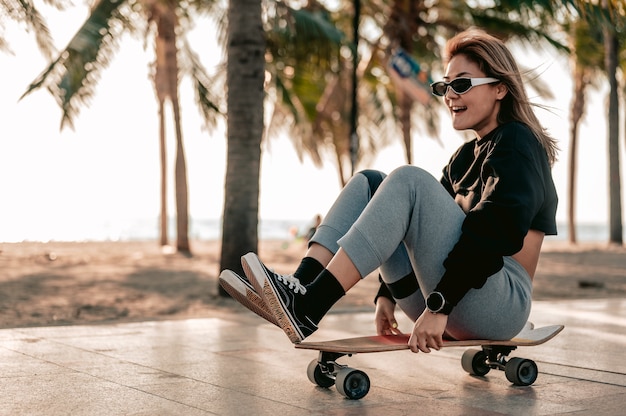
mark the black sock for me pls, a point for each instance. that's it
(322, 294)
(308, 270)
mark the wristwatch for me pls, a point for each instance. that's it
(436, 303)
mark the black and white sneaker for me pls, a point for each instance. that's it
(242, 291)
(283, 295)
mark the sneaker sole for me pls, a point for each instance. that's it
(246, 262)
(254, 269)
(284, 320)
(245, 295)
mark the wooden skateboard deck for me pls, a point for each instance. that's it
(325, 371)
(381, 343)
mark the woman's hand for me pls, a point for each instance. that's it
(428, 332)
(385, 319)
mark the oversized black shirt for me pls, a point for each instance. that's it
(503, 182)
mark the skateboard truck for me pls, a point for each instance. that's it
(326, 372)
(519, 371)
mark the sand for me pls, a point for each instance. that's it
(44, 284)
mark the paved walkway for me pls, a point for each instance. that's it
(236, 364)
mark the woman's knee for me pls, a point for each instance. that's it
(409, 172)
(413, 177)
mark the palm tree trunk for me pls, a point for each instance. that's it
(354, 111)
(167, 64)
(611, 44)
(245, 73)
(576, 113)
(163, 159)
(405, 103)
(343, 177)
(182, 193)
(161, 90)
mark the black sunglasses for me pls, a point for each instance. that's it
(459, 85)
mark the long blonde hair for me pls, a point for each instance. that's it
(495, 60)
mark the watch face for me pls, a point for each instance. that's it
(435, 302)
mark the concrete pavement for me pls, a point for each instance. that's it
(237, 364)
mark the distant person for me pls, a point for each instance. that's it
(457, 255)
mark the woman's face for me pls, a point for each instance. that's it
(477, 109)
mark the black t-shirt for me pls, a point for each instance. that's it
(503, 182)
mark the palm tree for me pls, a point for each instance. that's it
(587, 31)
(609, 17)
(245, 79)
(611, 45)
(24, 12)
(587, 60)
(71, 77)
(163, 14)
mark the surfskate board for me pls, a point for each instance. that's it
(355, 384)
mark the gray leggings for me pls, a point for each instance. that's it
(406, 230)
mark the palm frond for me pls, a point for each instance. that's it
(206, 87)
(517, 24)
(71, 77)
(303, 36)
(25, 12)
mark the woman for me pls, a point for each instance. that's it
(457, 256)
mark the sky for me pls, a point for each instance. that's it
(106, 169)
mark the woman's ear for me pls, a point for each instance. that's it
(501, 91)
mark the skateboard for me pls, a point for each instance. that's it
(355, 384)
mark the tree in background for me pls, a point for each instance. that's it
(611, 30)
(245, 79)
(598, 36)
(586, 64)
(72, 76)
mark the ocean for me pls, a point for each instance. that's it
(210, 229)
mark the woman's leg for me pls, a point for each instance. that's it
(342, 215)
(350, 203)
(411, 207)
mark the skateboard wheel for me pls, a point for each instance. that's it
(521, 371)
(317, 376)
(474, 362)
(353, 384)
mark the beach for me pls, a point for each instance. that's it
(70, 283)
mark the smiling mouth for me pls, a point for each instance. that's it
(458, 109)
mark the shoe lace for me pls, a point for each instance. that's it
(292, 282)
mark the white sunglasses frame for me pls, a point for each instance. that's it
(474, 82)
